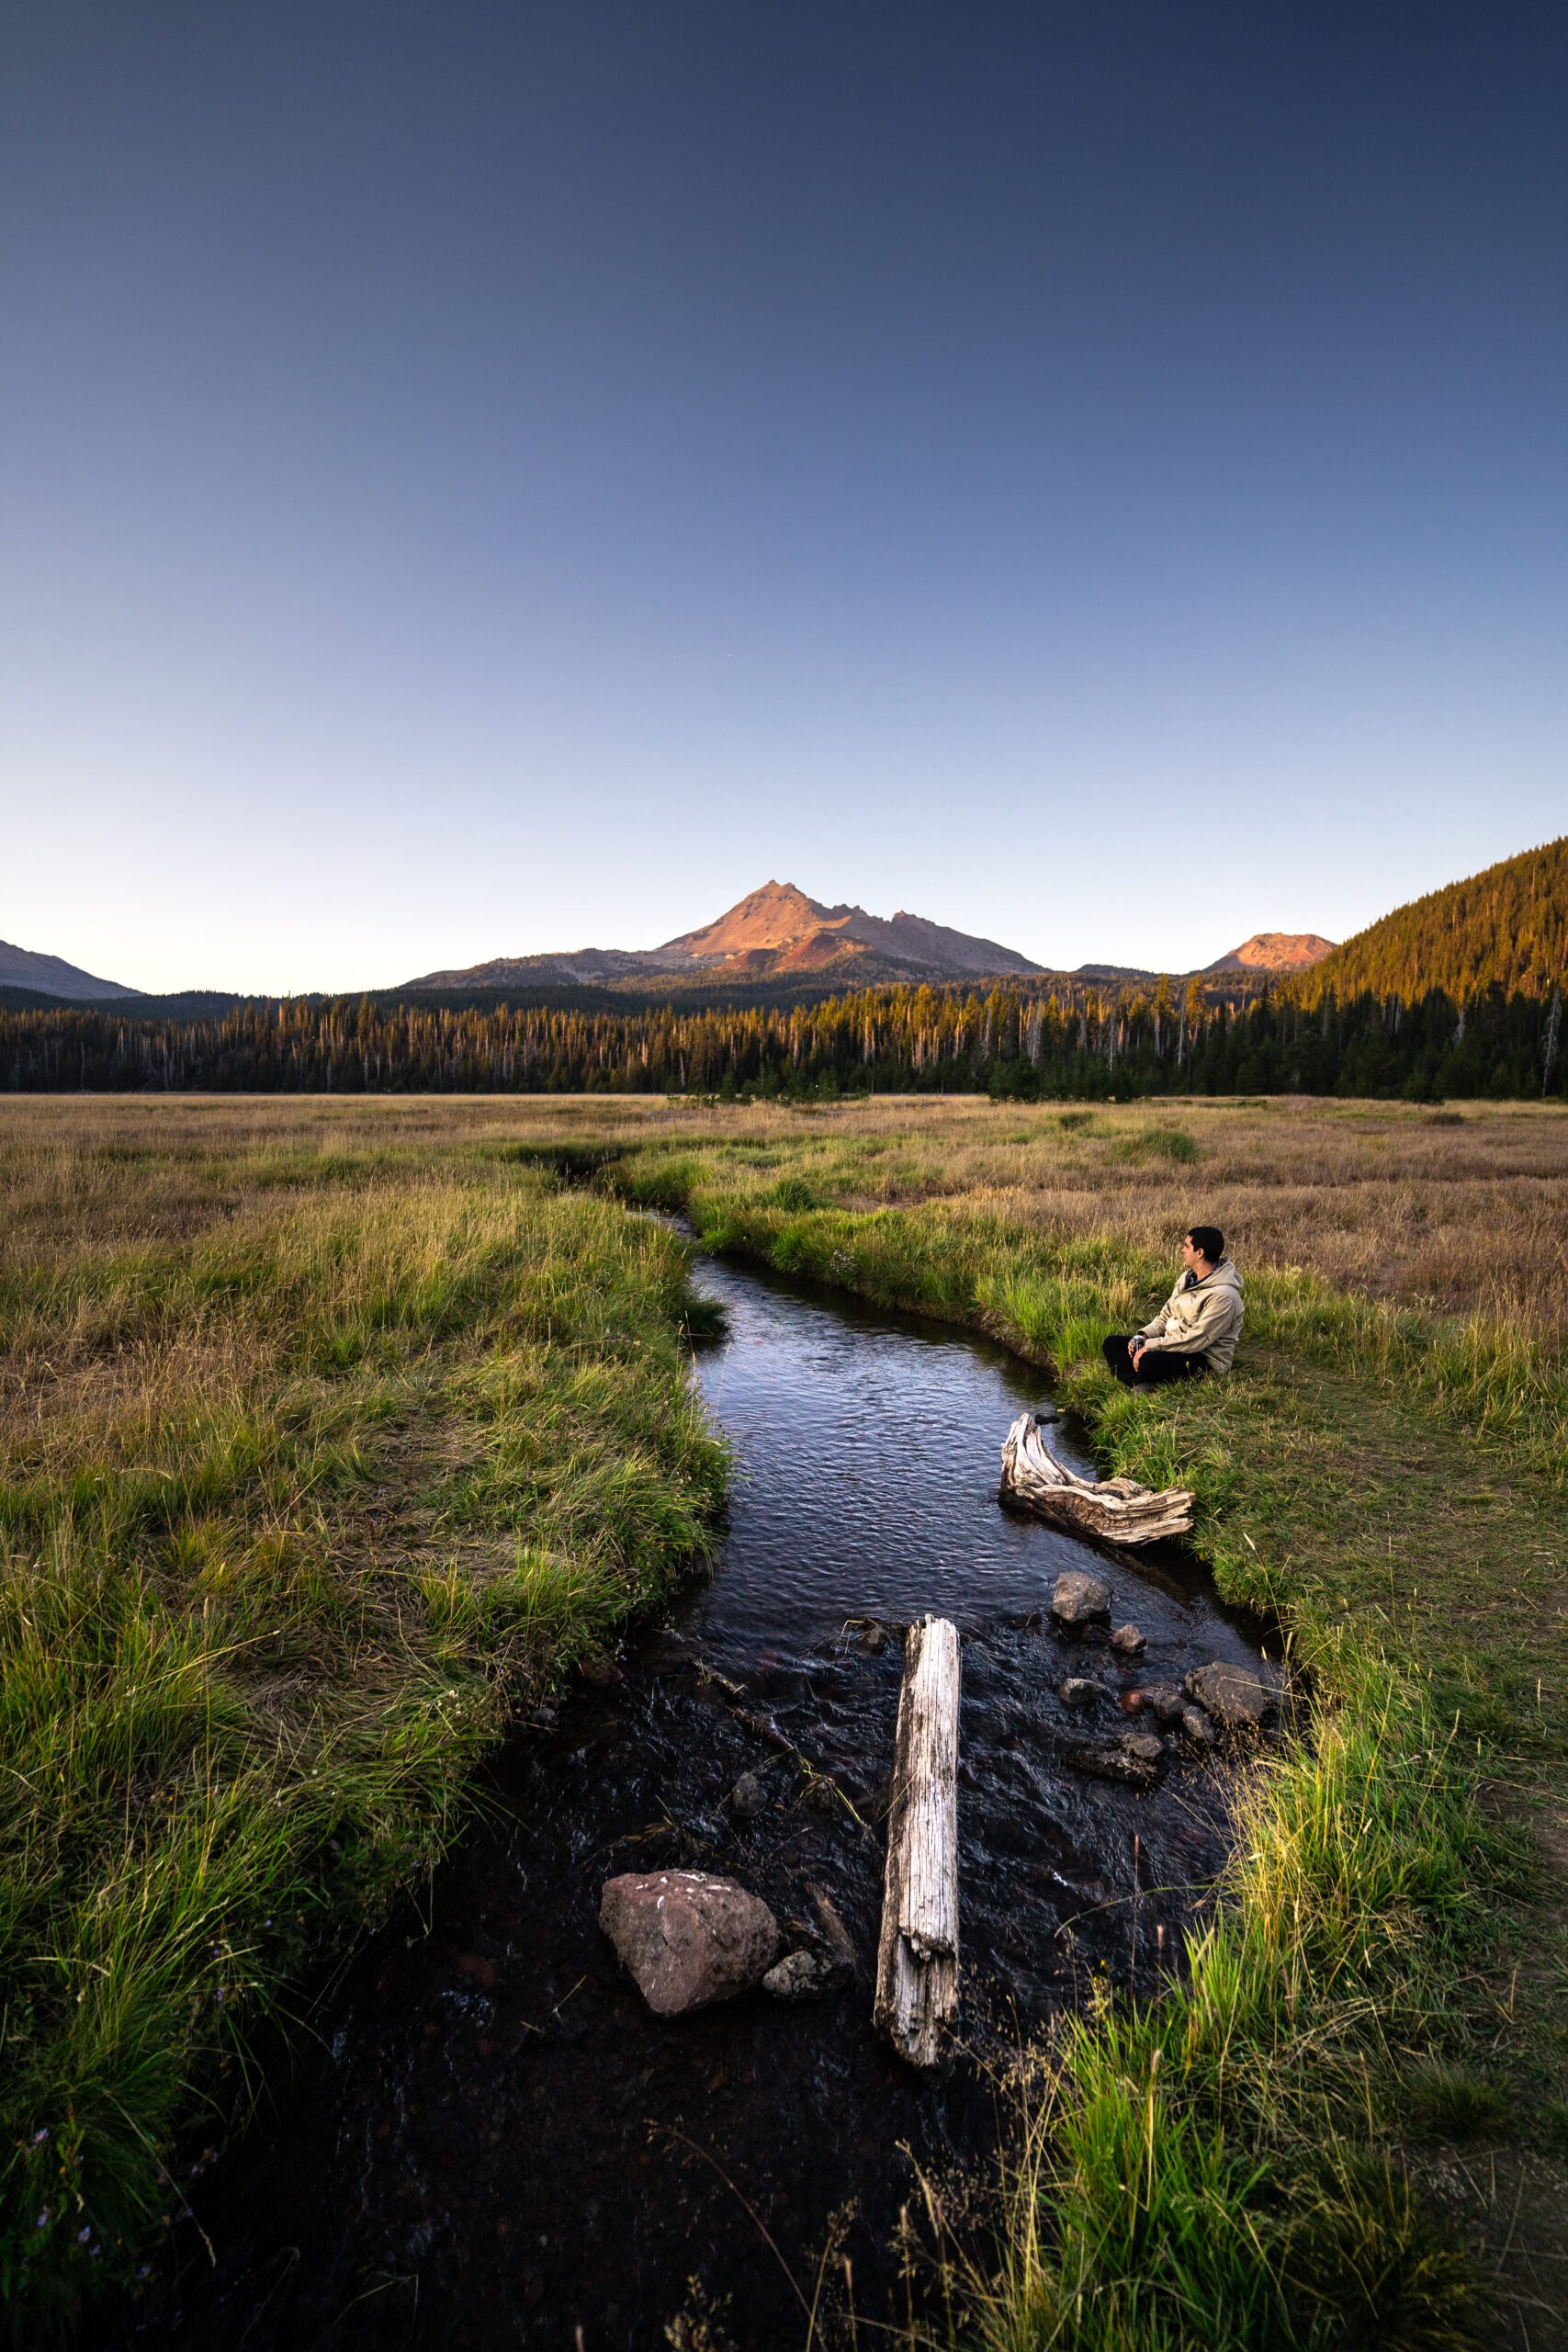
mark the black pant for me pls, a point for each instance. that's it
(1151, 1370)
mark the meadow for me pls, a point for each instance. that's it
(335, 1429)
(320, 1457)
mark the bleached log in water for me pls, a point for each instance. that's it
(1115, 1510)
(917, 1965)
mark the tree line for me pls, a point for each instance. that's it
(1066, 1041)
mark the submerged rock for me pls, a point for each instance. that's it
(748, 1797)
(668, 1652)
(1079, 1598)
(1128, 1640)
(1137, 1759)
(1164, 1702)
(1237, 1697)
(1082, 1691)
(686, 1938)
(836, 1937)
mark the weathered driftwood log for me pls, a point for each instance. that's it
(1116, 1510)
(917, 1961)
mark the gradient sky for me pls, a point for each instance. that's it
(483, 478)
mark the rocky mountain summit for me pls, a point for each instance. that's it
(774, 932)
(1275, 951)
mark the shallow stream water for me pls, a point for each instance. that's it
(487, 2141)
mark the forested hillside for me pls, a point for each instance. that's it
(1507, 928)
(1017, 1039)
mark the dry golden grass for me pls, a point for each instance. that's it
(1459, 1210)
(315, 1453)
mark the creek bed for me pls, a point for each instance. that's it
(487, 2141)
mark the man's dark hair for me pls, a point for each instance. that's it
(1208, 1239)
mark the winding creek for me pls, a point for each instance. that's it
(486, 2140)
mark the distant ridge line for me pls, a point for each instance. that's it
(22, 967)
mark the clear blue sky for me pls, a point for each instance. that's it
(485, 478)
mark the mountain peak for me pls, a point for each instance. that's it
(779, 929)
(776, 931)
(1275, 951)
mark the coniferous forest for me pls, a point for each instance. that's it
(1506, 927)
(1067, 1041)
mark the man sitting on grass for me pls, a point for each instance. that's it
(1196, 1330)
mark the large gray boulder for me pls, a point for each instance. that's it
(1080, 1599)
(1239, 1697)
(688, 1939)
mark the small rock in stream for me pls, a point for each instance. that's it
(1196, 1726)
(1079, 1599)
(799, 1977)
(1237, 1697)
(1128, 1640)
(688, 1939)
(1164, 1702)
(1081, 1691)
(1136, 1760)
(747, 1798)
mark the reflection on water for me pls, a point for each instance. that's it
(870, 1453)
(491, 2143)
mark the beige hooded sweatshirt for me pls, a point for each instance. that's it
(1201, 1318)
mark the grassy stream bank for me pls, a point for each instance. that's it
(1345, 2129)
(316, 1464)
(332, 1432)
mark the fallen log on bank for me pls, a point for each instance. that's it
(1113, 1510)
(917, 1961)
